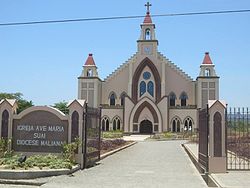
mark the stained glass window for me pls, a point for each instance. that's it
(151, 88)
(142, 88)
(146, 75)
(183, 98)
(172, 98)
(112, 99)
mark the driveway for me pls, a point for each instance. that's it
(146, 164)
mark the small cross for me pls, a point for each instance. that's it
(148, 5)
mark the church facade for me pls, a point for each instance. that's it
(148, 93)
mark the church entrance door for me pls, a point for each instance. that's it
(146, 127)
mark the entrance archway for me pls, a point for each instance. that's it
(146, 127)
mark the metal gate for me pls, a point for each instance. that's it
(203, 138)
(238, 139)
(92, 136)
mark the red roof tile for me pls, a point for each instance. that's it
(207, 60)
(147, 19)
(90, 60)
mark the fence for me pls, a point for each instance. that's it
(203, 138)
(238, 139)
(92, 136)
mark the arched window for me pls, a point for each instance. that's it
(176, 125)
(74, 126)
(183, 99)
(89, 73)
(188, 124)
(207, 72)
(5, 123)
(116, 123)
(151, 88)
(118, 126)
(147, 34)
(122, 98)
(172, 98)
(105, 124)
(112, 98)
(142, 88)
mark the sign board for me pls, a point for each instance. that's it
(39, 131)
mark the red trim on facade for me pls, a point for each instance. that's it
(137, 73)
(139, 110)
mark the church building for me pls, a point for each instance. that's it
(148, 93)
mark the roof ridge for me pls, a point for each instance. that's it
(120, 68)
(175, 67)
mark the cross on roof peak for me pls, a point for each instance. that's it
(148, 5)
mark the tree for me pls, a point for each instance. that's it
(62, 106)
(22, 103)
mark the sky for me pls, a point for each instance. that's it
(44, 61)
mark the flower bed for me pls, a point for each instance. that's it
(109, 145)
(112, 134)
(35, 162)
(239, 145)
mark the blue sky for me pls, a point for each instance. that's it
(44, 61)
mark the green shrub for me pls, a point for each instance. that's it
(112, 134)
(40, 161)
(70, 149)
(169, 135)
(5, 147)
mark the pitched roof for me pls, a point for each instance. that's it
(10, 101)
(90, 60)
(79, 101)
(207, 60)
(212, 102)
(147, 19)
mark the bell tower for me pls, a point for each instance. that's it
(147, 43)
(89, 68)
(89, 84)
(207, 82)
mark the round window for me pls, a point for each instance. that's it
(146, 75)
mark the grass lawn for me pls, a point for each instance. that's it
(112, 134)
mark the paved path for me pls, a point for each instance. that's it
(150, 164)
(231, 179)
(135, 137)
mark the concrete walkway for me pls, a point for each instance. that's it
(135, 137)
(231, 179)
(146, 164)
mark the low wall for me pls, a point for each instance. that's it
(32, 174)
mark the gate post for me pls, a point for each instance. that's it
(78, 106)
(217, 137)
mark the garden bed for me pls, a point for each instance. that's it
(173, 136)
(35, 162)
(35, 166)
(239, 145)
(112, 134)
(108, 145)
